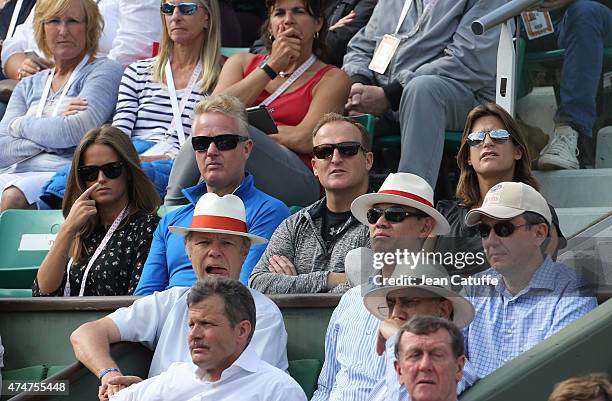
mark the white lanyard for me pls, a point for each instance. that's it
(405, 9)
(14, 17)
(47, 89)
(296, 74)
(177, 110)
(100, 248)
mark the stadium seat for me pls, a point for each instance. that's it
(15, 292)
(306, 372)
(230, 51)
(21, 255)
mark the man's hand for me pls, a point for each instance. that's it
(347, 19)
(368, 99)
(388, 328)
(281, 265)
(549, 5)
(114, 382)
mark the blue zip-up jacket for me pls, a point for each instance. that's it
(168, 265)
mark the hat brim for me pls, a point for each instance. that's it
(362, 204)
(183, 231)
(474, 216)
(463, 310)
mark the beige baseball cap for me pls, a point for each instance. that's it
(507, 200)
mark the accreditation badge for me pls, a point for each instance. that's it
(537, 24)
(384, 53)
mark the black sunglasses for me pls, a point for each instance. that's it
(184, 8)
(498, 136)
(502, 229)
(345, 148)
(222, 142)
(393, 214)
(90, 173)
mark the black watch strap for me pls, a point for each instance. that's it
(268, 70)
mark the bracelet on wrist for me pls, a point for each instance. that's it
(107, 371)
(268, 70)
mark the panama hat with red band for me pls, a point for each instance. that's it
(402, 189)
(219, 214)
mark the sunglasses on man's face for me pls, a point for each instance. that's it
(222, 142)
(346, 149)
(502, 229)
(90, 173)
(184, 8)
(392, 215)
(498, 136)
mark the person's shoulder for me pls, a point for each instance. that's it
(331, 73)
(145, 218)
(275, 376)
(106, 64)
(263, 304)
(177, 215)
(254, 197)
(449, 207)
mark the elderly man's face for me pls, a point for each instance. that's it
(405, 304)
(213, 342)
(427, 367)
(408, 234)
(213, 253)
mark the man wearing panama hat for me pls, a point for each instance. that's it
(535, 297)
(400, 216)
(394, 305)
(217, 242)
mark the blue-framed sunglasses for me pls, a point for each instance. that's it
(184, 8)
(497, 136)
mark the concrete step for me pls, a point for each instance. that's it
(575, 219)
(577, 188)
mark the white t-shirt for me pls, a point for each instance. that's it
(159, 321)
(247, 379)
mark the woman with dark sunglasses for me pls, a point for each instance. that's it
(493, 150)
(296, 87)
(110, 216)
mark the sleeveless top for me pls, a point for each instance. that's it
(290, 108)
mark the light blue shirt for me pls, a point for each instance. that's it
(351, 367)
(507, 325)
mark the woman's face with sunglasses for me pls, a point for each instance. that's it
(491, 148)
(101, 164)
(185, 21)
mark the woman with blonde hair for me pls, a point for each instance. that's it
(37, 137)
(110, 215)
(493, 149)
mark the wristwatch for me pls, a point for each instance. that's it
(268, 70)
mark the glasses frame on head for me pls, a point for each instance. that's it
(346, 149)
(112, 171)
(185, 8)
(222, 142)
(502, 229)
(498, 136)
(393, 214)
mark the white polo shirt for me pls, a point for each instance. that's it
(159, 321)
(247, 379)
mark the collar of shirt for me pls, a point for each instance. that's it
(194, 193)
(248, 361)
(543, 279)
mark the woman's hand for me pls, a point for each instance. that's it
(76, 105)
(285, 49)
(82, 209)
(347, 19)
(31, 65)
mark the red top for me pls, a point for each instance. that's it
(289, 108)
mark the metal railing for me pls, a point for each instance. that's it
(502, 14)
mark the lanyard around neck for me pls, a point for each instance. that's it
(14, 17)
(405, 9)
(67, 85)
(99, 250)
(177, 110)
(296, 74)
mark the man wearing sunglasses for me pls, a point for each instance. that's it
(306, 252)
(535, 297)
(221, 141)
(400, 216)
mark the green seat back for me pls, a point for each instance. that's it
(18, 267)
(31, 373)
(164, 210)
(294, 209)
(230, 51)
(369, 122)
(306, 373)
(15, 292)
(55, 369)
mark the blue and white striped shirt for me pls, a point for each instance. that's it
(351, 367)
(507, 325)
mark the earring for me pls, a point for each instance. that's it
(270, 37)
(316, 35)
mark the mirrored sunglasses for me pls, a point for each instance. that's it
(498, 136)
(393, 214)
(90, 173)
(222, 142)
(502, 229)
(184, 8)
(345, 148)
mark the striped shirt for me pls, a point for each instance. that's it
(507, 325)
(144, 110)
(351, 367)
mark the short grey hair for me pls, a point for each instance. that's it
(227, 105)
